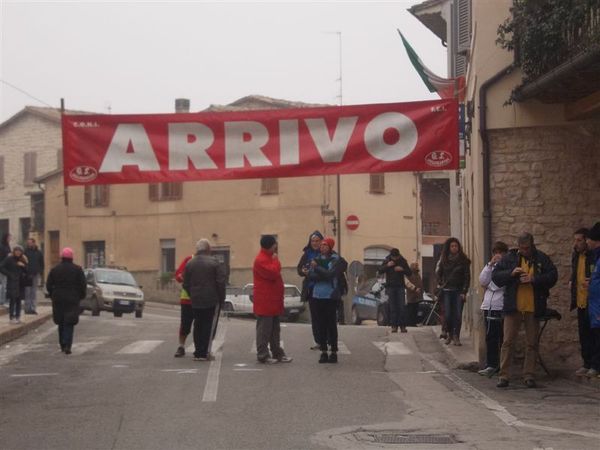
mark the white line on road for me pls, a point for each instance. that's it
(393, 348)
(20, 375)
(342, 349)
(495, 407)
(212, 380)
(138, 347)
(82, 347)
(180, 371)
(247, 370)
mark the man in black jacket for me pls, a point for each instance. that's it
(527, 274)
(395, 267)
(35, 267)
(582, 264)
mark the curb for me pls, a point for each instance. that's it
(466, 360)
(21, 330)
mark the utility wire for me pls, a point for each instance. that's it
(25, 92)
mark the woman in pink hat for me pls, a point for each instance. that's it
(67, 287)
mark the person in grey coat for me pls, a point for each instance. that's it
(204, 279)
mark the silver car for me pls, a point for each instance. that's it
(112, 290)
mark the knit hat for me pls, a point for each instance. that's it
(394, 252)
(267, 241)
(18, 247)
(594, 233)
(329, 241)
(67, 252)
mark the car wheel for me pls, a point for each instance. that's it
(118, 314)
(381, 319)
(356, 320)
(95, 307)
(293, 318)
(227, 307)
(138, 314)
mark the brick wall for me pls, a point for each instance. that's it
(546, 181)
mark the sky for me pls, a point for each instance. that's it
(137, 57)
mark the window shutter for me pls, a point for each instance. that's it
(29, 167)
(177, 191)
(153, 192)
(104, 195)
(377, 183)
(269, 186)
(87, 196)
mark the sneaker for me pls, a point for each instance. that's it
(530, 383)
(488, 371)
(200, 358)
(324, 358)
(67, 350)
(180, 352)
(448, 340)
(581, 372)
(268, 361)
(592, 373)
(444, 336)
(333, 357)
(502, 383)
(285, 359)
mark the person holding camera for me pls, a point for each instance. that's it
(395, 267)
(311, 251)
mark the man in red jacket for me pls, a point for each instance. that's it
(268, 302)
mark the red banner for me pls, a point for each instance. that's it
(112, 149)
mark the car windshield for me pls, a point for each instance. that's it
(115, 277)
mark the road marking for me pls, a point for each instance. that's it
(180, 371)
(212, 380)
(495, 407)
(253, 348)
(120, 366)
(82, 347)
(20, 375)
(247, 370)
(342, 349)
(139, 347)
(393, 348)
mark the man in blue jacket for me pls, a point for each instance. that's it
(593, 241)
(527, 274)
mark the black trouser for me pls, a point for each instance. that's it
(313, 318)
(326, 310)
(203, 318)
(340, 312)
(586, 338)
(595, 352)
(412, 310)
(65, 336)
(14, 306)
(187, 318)
(494, 335)
(397, 302)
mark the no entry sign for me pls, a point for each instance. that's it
(352, 222)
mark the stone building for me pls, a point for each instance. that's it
(533, 150)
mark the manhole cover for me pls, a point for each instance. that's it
(399, 438)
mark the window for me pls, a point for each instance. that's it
(4, 227)
(269, 186)
(377, 183)
(30, 167)
(167, 255)
(435, 206)
(94, 253)
(24, 228)
(165, 191)
(54, 244)
(96, 196)
(1, 172)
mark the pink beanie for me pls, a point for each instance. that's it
(67, 252)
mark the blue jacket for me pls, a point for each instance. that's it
(325, 277)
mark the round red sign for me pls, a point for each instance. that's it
(352, 222)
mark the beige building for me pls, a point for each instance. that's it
(531, 164)
(151, 228)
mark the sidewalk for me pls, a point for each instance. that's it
(463, 357)
(9, 332)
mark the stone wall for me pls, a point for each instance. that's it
(545, 180)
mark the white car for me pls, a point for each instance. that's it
(239, 300)
(112, 290)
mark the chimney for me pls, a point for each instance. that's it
(182, 105)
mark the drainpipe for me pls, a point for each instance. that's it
(485, 151)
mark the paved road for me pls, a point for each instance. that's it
(122, 389)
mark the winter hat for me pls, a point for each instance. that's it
(394, 252)
(329, 241)
(594, 234)
(67, 252)
(267, 241)
(18, 247)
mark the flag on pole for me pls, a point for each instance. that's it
(445, 87)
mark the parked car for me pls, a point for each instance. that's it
(239, 301)
(371, 303)
(112, 290)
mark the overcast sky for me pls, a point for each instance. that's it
(137, 57)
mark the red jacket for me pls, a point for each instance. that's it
(268, 285)
(184, 297)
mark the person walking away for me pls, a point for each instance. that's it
(35, 268)
(204, 279)
(187, 313)
(414, 295)
(582, 265)
(14, 267)
(593, 286)
(310, 252)
(454, 276)
(4, 251)
(493, 301)
(268, 302)
(325, 271)
(395, 267)
(66, 286)
(527, 274)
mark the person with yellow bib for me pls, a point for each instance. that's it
(187, 313)
(527, 274)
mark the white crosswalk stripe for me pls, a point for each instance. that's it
(342, 349)
(393, 348)
(139, 347)
(79, 348)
